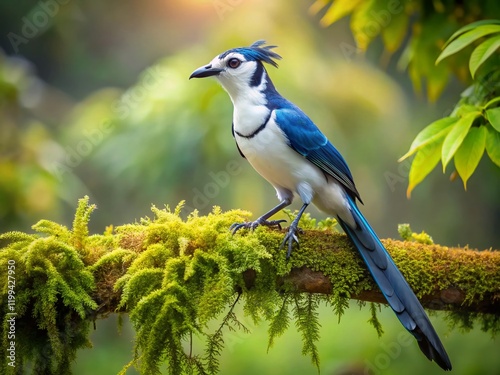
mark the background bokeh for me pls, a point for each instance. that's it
(95, 100)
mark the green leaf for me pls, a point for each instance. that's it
(463, 108)
(470, 152)
(456, 136)
(430, 134)
(482, 52)
(316, 7)
(492, 101)
(339, 9)
(493, 145)
(394, 33)
(415, 76)
(467, 38)
(471, 26)
(363, 25)
(423, 163)
(493, 116)
(437, 78)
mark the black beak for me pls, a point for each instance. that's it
(205, 71)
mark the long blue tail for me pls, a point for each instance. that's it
(395, 288)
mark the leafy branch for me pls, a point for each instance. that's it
(474, 125)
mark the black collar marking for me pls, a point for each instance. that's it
(232, 131)
(258, 75)
(258, 130)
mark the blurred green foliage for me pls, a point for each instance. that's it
(26, 187)
(419, 27)
(118, 145)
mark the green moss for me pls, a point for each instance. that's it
(431, 268)
(53, 302)
(408, 235)
(174, 276)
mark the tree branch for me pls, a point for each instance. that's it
(451, 298)
(456, 279)
(461, 270)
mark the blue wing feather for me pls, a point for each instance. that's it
(306, 139)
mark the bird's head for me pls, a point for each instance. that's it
(240, 69)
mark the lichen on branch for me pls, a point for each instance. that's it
(174, 276)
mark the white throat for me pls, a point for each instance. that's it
(249, 102)
(245, 90)
(240, 90)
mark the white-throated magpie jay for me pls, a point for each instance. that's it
(288, 150)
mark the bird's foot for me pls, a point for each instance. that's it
(290, 238)
(254, 224)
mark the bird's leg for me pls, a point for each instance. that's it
(291, 236)
(263, 219)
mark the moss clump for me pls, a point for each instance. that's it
(52, 289)
(408, 235)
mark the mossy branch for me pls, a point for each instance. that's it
(174, 275)
(443, 278)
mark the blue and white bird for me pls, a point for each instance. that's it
(286, 148)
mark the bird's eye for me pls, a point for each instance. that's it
(233, 63)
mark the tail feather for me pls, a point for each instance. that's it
(395, 288)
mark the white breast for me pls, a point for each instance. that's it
(289, 172)
(270, 155)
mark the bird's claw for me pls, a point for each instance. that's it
(254, 224)
(291, 237)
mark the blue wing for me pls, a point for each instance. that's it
(306, 139)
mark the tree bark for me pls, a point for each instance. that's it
(451, 298)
